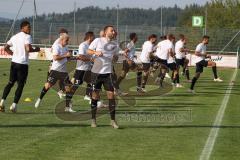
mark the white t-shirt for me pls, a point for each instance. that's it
(82, 50)
(163, 49)
(178, 46)
(201, 48)
(17, 43)
(103, 64)
(59, 65)
(132, 50)
(146, 49)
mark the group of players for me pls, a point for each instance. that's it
(95, 66)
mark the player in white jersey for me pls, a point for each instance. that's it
(103, 51)
(129, 62)
(83, 68)
(180, 51)
(20, 48)
(61, 92)
(165, 49)
(58, 70)
(145, 57)
(201, 62)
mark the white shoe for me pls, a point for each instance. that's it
(37, 104)
(100, 104)
(114, 124)
(61, 94)
(13, 108)
(179, 85)
(217, 80)
(140, 90)
(167, 75)
(87, 98)
(118, 92)
(191, 91)
(69, 110)
(2, 107)
(144, 90)
(93, 124)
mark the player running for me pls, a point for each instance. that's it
(21, 47)
(201, 62)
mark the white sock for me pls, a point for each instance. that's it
(14, 104)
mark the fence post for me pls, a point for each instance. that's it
(238, 58)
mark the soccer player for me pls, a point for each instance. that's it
(165, 49)
(61, 92)
(83, 67)
(129, 62)
(180, 51)
(201, 62)
(145, 57)
(58, 69)
(103, 52)
(21, 47)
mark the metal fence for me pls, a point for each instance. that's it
(227, 39)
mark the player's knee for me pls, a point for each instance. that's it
(10, 84)
(47, 85)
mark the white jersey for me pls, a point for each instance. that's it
(132, 50)
(18, 42)
(147, 48)
(81, 65)
(201, 48)
(103, 64)
(163, 49)
(178, 46)
(59, 65)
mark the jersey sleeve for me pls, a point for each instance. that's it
(55, 50)
(82, 49)
(28, 40)
(199, 48)
(93, 45)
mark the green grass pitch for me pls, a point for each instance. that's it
(176, 127)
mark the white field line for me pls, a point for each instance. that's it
(207, 150)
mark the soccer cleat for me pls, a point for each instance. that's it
(69, 110)
(179, 85)
(191, 91)
(37, 104)
(87, 98)
(114, 124)
(100, 104)
(2, 107)
(61, 94)
(93, 123)
(140, 90)
(217, 80)
(13, 108)
(167, 75)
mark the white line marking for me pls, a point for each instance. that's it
(207, 150)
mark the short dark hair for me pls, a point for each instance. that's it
(152, 36)
(88, 35)
(170, 36)
(205, 37)
(181, 36)
(24, 23)
(163, 37)
(106, 27)
(63, 30)
(132, 36)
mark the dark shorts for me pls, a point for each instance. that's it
(80, 76)
(55, 76)
(128, 66)
(102, 79)
(172, 66)
(200, 65)
(146, 66)
(162, 61)
(18, 73)
(180, 62)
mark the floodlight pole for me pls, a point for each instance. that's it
(74, 22)
(117, 24)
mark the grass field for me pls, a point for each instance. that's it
(179, 132)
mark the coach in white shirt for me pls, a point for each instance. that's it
(145, 57)
(201, 62)
(103, 51)
(20, 48)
